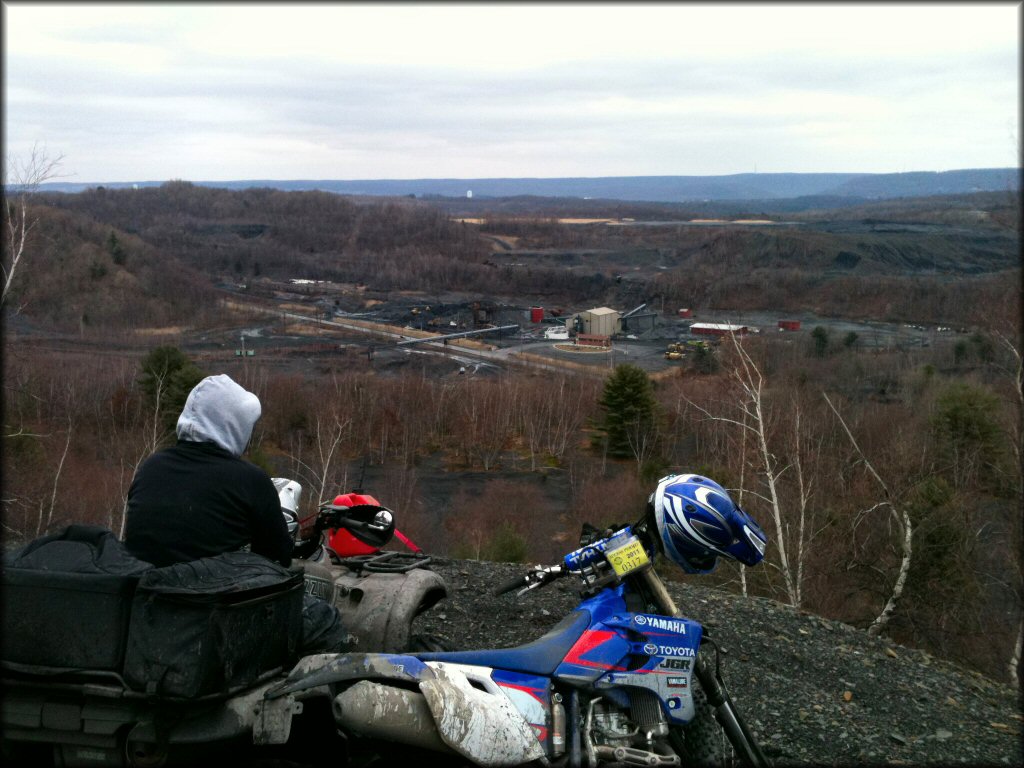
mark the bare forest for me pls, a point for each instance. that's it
(888, 481)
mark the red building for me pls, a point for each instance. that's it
(593, 340)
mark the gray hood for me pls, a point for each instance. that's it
(219, 411)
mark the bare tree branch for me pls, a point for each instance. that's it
(22, 180)
(40, 528)
(902, 520)
(752, 383)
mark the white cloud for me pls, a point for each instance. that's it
(373, 91)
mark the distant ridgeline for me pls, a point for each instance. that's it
(672, 189)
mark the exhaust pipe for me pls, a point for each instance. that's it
(389, 714)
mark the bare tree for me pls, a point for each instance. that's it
(902, 519)
(48, 509)
(152, 436)
(1012, 345)
(1015, 371)
(805, 447)
(777, 446)
(756, 422)
(318, 472)
(485, 421)
(22, 179)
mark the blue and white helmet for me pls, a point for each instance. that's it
(697, 521)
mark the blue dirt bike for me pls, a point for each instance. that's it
(622, 680)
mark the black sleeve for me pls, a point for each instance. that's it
(269, 531)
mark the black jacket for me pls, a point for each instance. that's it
(197, 500)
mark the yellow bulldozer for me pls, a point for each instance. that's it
(674, 351)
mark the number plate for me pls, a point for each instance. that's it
(628, 558)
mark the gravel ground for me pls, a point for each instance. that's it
(816, 692)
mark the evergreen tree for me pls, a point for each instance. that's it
(168, 375)
(629, 422)
(968, 435)
(506, 546)
(704, 360)
(115, 249)
(819, 337)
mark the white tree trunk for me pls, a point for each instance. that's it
(755, 422)
(22, 179)
(752, 382)
(1015, 656)
(903, 521)
(901, 579)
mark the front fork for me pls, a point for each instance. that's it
(731, 721)
(710, 679)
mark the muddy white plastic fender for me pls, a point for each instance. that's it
(379, 608)
(388, 713)
(476, 719)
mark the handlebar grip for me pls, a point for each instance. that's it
(508, 586)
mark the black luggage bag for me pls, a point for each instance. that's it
(66, 600)
(212, 626)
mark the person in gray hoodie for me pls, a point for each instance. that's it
(199, 498)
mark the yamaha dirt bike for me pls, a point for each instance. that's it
(622, 680)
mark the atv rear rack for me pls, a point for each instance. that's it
(386, 562)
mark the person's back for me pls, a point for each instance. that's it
(199, 498)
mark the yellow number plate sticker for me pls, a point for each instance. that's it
(628, 558)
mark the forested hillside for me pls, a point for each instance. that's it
(932, 260)
(508, 467)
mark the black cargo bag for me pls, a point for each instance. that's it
(212, 626)
(66, 599)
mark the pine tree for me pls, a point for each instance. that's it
(819, 337)
(115, 249)
(168, 375)
(629, 422)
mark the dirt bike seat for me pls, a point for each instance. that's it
(539, 657)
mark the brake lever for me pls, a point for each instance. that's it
(327, 516)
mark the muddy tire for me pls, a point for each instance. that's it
(702, 742)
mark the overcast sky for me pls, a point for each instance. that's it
(155, 91)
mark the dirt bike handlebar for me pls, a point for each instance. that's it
(536, 577)
(510, 585)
